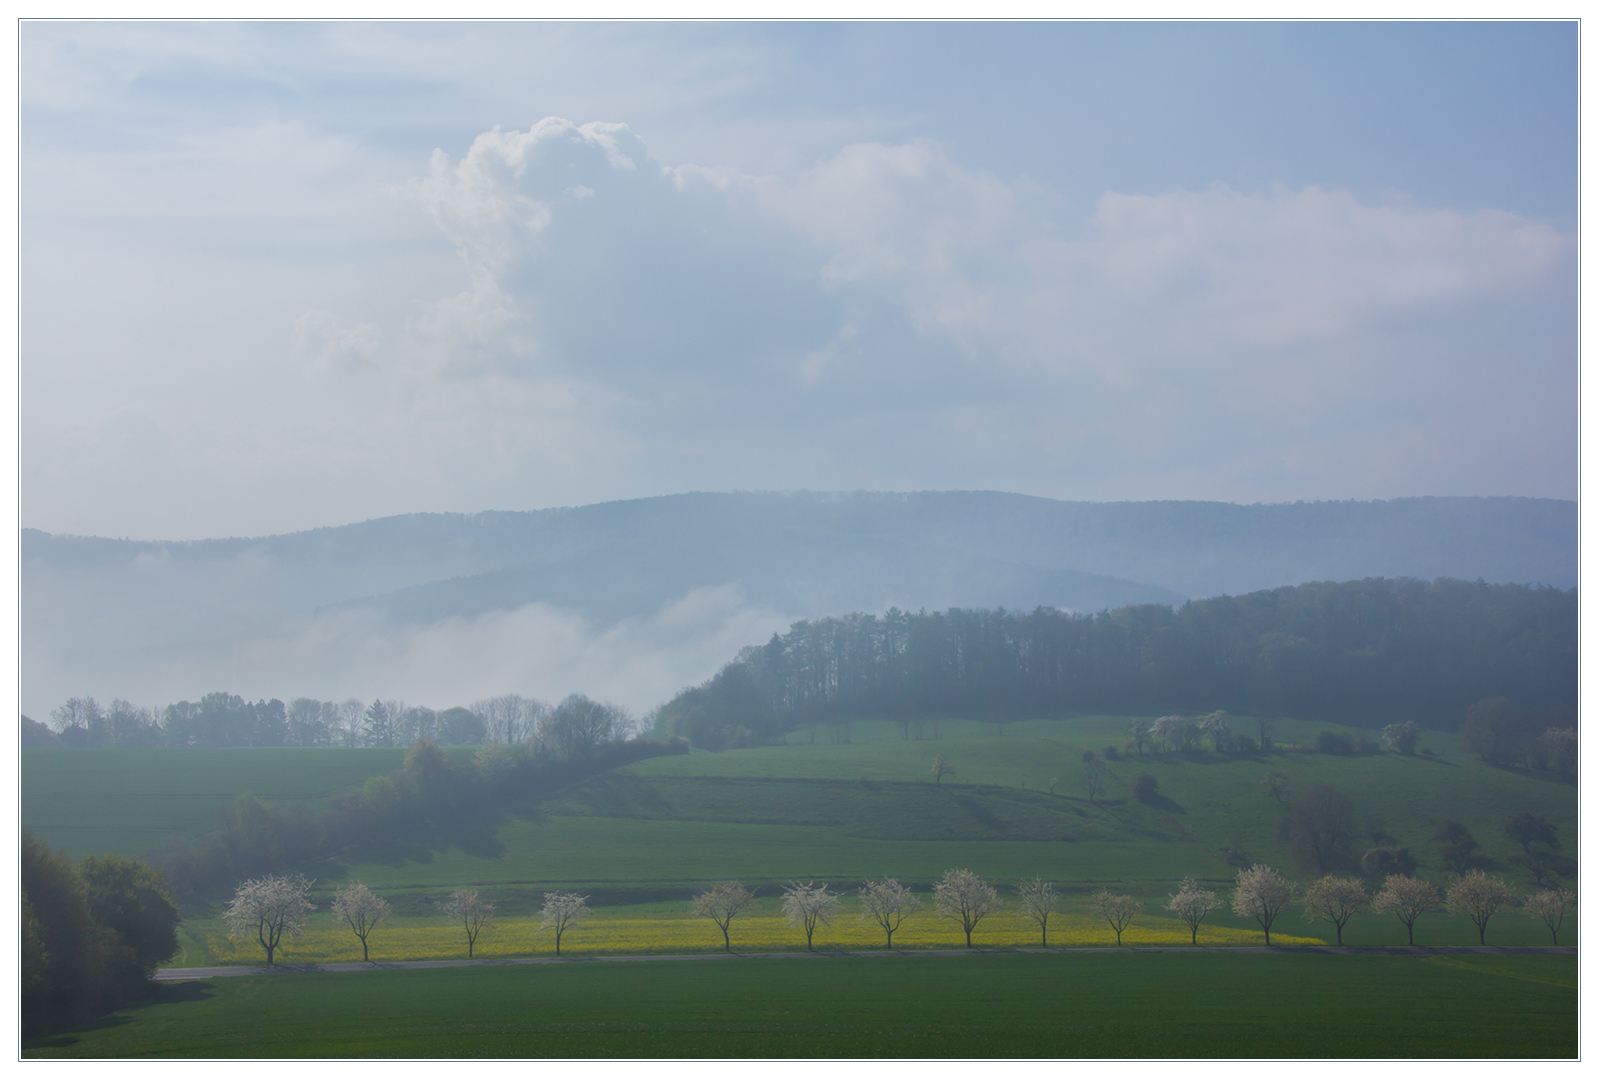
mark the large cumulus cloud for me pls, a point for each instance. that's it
(889, 304)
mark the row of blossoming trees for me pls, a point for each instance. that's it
(268, 908)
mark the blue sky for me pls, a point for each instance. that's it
(275, 277)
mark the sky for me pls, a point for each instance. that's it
(280, 276)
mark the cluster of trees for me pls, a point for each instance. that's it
(91, 935)
(1375, 651)
(433, 800)
(1503, 733)
(223, 719)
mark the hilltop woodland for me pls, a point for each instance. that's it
(1365, 653)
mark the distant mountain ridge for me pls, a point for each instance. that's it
(99, 605)
(1181, 549)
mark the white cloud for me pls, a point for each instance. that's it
(320, 336)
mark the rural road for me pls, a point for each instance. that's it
(179, 974)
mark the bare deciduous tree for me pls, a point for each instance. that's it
(965, 897)
(474, 914)
(268, 908)
(351, 721)
(1336, 900)
(1094, 779)
(1276, 784)
(1038, 903)
(1191, 904)
(1263, 725)
(1479, 897)
(1551, 906)
(510, 718)
(941, 769)
(809, 906)
(1138, 731)
(722, 903)
(1119, 911)
(1261, 895)
(1406, 897)
(361, 910)
(888, 903)
(561, 910)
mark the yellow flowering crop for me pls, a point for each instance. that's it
(656, 929)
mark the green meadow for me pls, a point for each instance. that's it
(1112, 1004)
(843, 812)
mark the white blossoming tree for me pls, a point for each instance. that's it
(722, 903)
(561, 911)
(888, 903)
(1406, 897)
(1335, 899)
(1479, 897)
(966, 898)
(809, 906)
(473, 913)
(267, 908)
(1551, 906)
(361, 910)
(1038, 903)
(1119, 911)
(1191, 904)
(1261, 895)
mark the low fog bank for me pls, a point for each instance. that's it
(536, 650)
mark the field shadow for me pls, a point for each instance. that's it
(1157, 801)
(157, 994)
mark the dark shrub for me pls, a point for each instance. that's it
(1112, 754)
(1144, 788)
(1335, 742)
(1457, 846)
(1245, 744)
(1088, 755)
(1321, 826)
(1380, 862)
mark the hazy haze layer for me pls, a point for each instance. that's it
(633, 600)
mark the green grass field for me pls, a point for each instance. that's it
(842, 813)
(1101, 1005)
(125, 802)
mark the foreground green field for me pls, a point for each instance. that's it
(1098, 1005)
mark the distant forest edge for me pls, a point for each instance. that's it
(1365, 653)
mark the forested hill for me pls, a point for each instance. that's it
(1362, 652)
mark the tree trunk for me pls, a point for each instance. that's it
(727, 943)
(1482, 932)
(1193, 935)
(365, 959)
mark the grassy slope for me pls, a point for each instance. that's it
(1103, 1005)
(125, 802)
(844, 813)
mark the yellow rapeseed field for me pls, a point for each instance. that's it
(657, 929)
